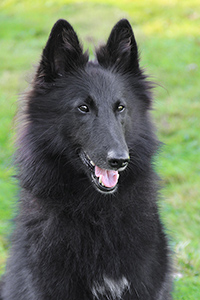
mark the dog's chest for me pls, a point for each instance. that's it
(110, 288)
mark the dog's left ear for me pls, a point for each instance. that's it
(62, 53)
(121, 50)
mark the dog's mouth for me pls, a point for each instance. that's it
(105, 181)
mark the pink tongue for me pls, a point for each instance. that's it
(109, 177)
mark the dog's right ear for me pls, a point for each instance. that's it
(62, 53)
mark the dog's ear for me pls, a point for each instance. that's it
(61, 54)
(121, 50)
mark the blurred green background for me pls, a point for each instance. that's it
(168, 34)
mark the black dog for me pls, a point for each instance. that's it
(88, 225)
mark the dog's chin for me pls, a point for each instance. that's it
(100, 187)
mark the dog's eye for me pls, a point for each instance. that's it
(120, 108)
(83, 108)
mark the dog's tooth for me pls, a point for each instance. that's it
(92, 163)
(100, 179)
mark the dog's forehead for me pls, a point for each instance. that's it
(104, 82)
(100, 75)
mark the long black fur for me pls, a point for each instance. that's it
(72, 241)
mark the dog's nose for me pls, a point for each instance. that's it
(118, 161)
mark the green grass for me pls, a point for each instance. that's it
(168, 35)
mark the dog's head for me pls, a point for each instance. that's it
(96, 108)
